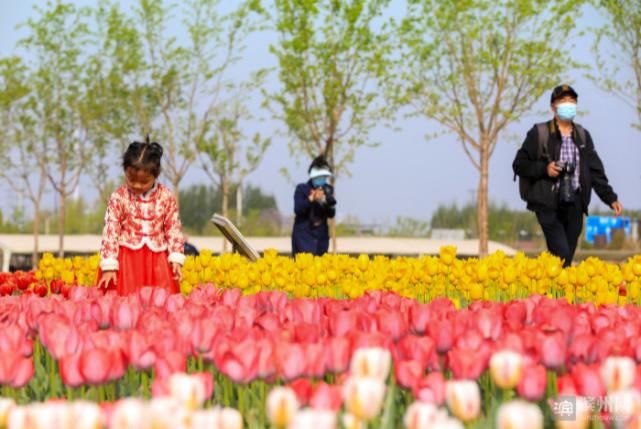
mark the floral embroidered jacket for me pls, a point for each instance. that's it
(135, 221)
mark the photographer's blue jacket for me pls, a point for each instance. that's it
(310, 233)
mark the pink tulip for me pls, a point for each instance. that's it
(140, 351)
(533, 383)
(588, 381)
(553, 351)
(124, 315)
(442, 332)
(408, 373)
(326, 397)
(170, 363)
(95, 365)
(431, 389)
(420, 317)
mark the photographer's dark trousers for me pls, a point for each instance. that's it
(562, 229)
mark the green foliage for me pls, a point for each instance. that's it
(332, 55)
(618, 69)
(505, 224)
(200, 202)
(409, 227)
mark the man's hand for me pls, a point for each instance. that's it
(106, 278)
(554, 170)
(617, 207)
(177, 270)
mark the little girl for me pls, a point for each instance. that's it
(142, 241)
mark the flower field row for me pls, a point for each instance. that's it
(338, 276)
(368, 358)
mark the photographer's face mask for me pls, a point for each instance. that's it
(317, 182)
(566, 111)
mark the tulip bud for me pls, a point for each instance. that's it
(316, 419)
(230, 419)
(506, 369)
(371, 362)
(87, 415)
(6, 405)
(421, 415)
(519, 414)
(18, 418)
(464, 399)
(618, 373)
(580, 419)
(282, 405)
(162, 411)
(131, 413)
(351, 422)
(187, 390)
(364, 397)
(624, 404)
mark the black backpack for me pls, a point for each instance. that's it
(544, 135)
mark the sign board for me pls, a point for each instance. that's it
(231, 233)
(604, 225)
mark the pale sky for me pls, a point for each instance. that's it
(407, 175)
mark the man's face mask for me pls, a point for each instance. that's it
(566, 110)
(317, 182)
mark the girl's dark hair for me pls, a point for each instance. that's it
(319, 162)
(143, 156)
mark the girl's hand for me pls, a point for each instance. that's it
(106, 278)
(177, 270)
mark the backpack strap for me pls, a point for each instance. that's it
(543, 132)
(581, 132)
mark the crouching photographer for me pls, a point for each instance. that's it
(314, 203)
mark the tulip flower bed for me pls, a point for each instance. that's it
(379, 360)
(496, 278)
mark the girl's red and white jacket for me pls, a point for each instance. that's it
(135, 221)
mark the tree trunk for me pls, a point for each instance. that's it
(36, 235)
(482, 198)
(239, 205)
(175, 183)
(225, 206)
(61, 223)
(329, 155)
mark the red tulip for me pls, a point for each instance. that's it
(303, 389)
(420, 349)
(95, 365)
(392, 323)
(338, 353)
(553, 351)
(140, 351)
(290, 360)
(565, 385)
(431, 389)
(124, 314)
(326, 397)
(588, 381)
(342, 322)
(408, 373)
(515, 314)
(468, 364)
(70, 370)
(208, 382)
(533, 383)
(315, 359)
(489, 323)
(582, 349)
(420, 316)
(170, 363)
(442, 332)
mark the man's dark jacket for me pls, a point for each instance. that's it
(543, 194)
(310, 233)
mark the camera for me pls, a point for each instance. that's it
(329, 194)
(566, 190)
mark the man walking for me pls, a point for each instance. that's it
(558, 167)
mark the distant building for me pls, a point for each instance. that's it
(448, 234)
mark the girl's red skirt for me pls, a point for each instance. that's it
(141, 268)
